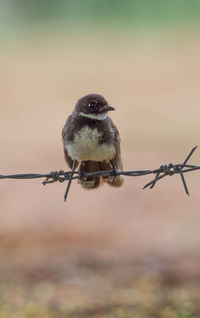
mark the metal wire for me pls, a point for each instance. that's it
(163, 171)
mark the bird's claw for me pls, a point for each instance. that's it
(81, 174)
(113, 174)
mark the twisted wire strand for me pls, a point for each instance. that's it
(159, 173)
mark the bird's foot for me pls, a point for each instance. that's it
(81, 174)
(113, 172)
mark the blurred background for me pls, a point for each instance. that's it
(112, 252)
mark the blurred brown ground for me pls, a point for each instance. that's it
(153, 81)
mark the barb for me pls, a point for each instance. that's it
(160, 173)
(70, 180)
(174, 169)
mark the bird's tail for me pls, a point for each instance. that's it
(95, 181)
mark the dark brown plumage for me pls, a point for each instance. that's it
(90, 137)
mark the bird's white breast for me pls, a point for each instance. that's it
(85, 146)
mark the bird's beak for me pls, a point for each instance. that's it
(107, 108)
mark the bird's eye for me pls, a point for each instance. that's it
(92, 104)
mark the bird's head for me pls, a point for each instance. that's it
(93, 106)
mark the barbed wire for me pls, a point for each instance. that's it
(163, 171)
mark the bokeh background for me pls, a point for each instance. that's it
(112, 252)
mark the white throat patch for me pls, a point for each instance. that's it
(93, 116)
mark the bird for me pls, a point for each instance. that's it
(91, 142)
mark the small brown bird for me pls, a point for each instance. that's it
(91, 141)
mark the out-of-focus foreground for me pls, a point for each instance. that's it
(112, 252)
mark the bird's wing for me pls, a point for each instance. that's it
(66, 133)
(67, 128)
(68, 159)
(117, 161)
